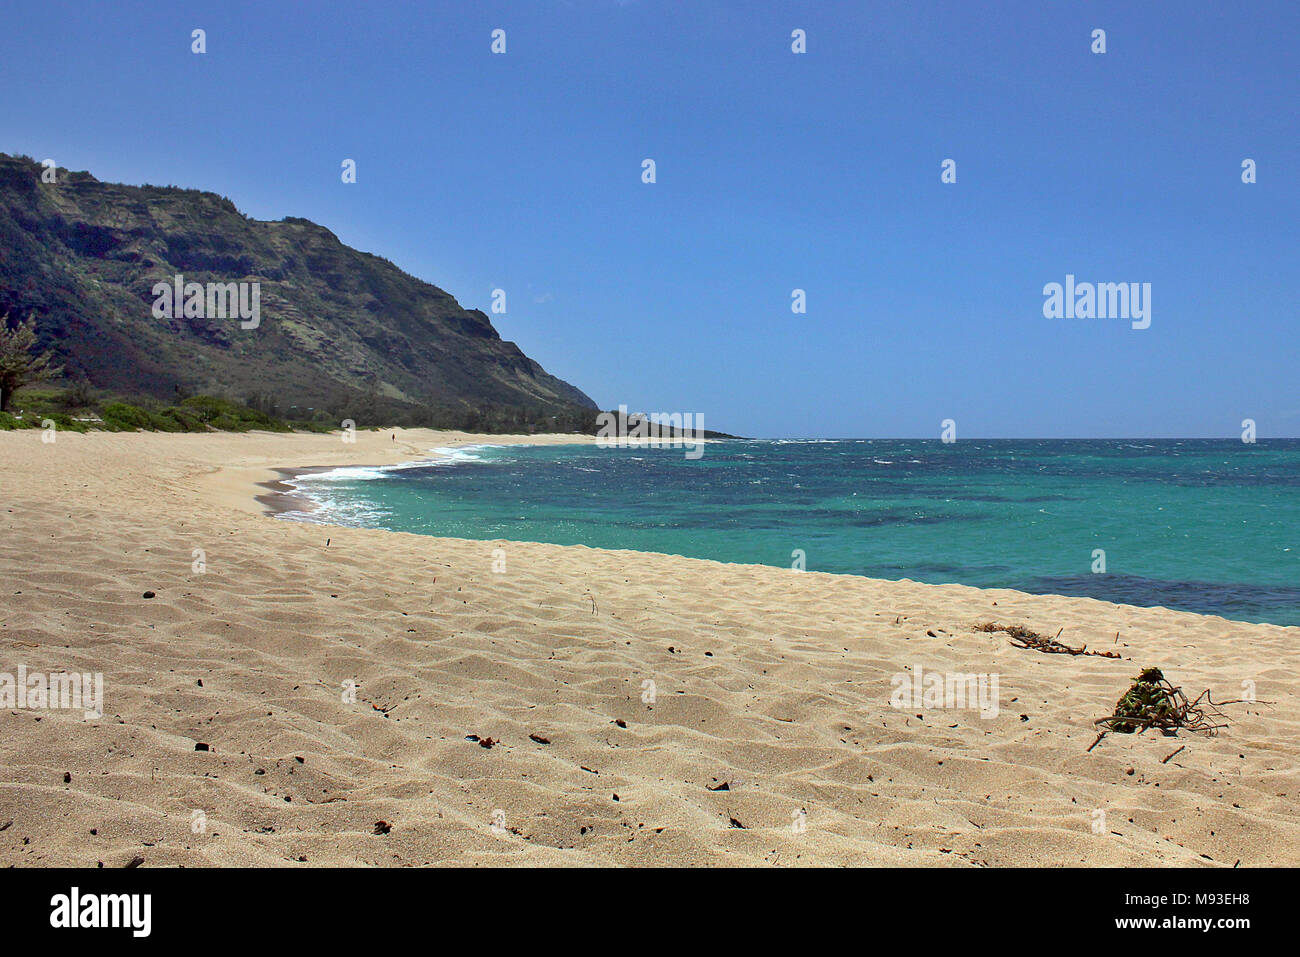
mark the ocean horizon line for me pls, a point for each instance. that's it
(1007, 438)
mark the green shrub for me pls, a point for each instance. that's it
(321, 428)
(173, 419)
(229, 416)
(197, 413)
(64, 422)
(120, 417)
(38, 400)
(162, 422)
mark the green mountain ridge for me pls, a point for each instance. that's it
(340, 329)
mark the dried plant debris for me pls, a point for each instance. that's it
(1153, 702)
(1022, 637)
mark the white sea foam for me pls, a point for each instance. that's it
(327, 510)
(360, 473)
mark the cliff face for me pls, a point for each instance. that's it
(336, 323)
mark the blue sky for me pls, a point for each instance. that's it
(775, 171)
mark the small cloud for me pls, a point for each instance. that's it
(544, 297)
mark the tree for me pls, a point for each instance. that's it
(19, 365)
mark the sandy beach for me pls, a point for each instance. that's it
(641, 709)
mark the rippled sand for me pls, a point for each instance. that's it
(774, 683)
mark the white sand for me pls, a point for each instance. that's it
(775, 682)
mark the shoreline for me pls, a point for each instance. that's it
(273, 473)
(281, 498)
(654, 678)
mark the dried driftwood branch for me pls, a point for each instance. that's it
(1022, 637)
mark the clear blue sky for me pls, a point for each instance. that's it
(775, 171)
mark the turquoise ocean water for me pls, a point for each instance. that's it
(1202, 525)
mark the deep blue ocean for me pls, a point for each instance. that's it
(1202, 525)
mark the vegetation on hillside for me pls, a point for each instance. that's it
(78, 407)
(71, 409)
